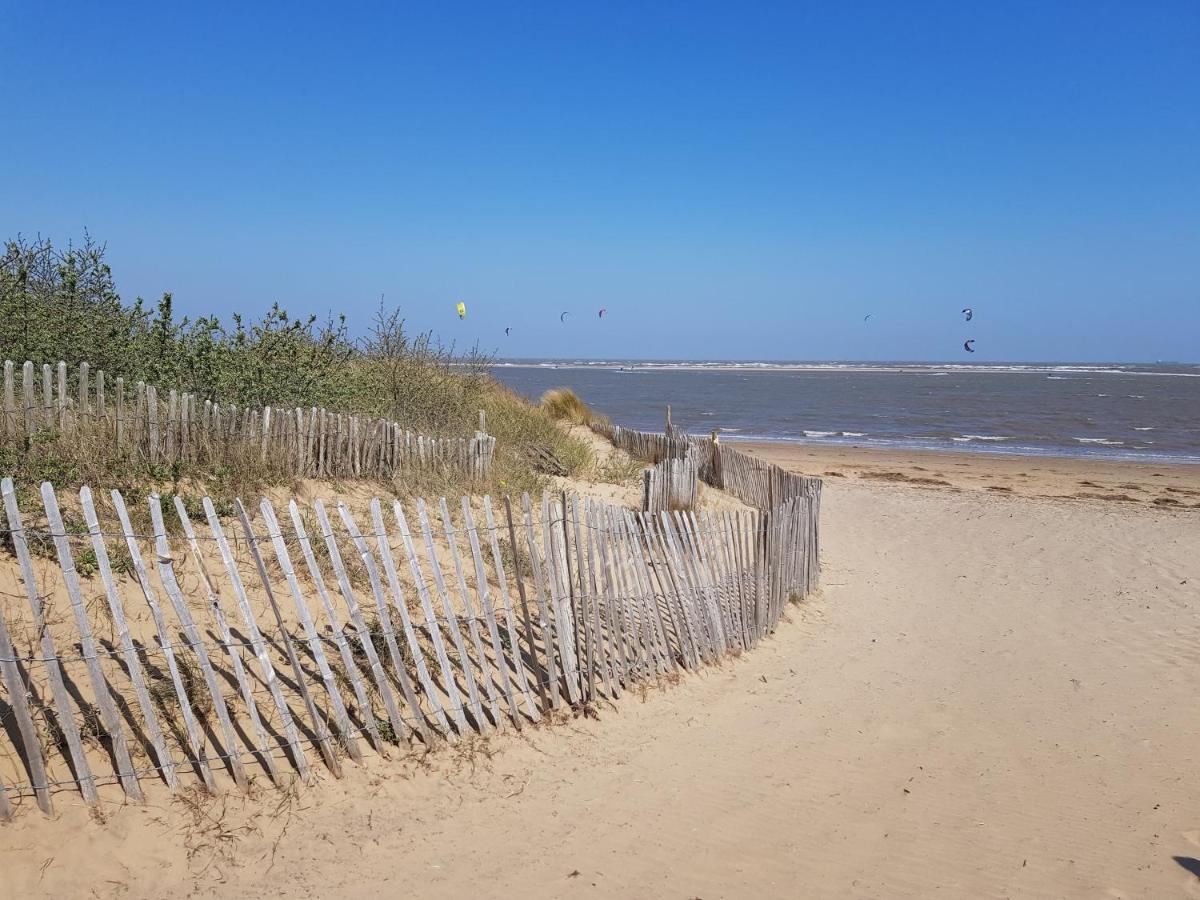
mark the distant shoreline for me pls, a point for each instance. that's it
(1173, 369)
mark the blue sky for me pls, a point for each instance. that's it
(729, 180)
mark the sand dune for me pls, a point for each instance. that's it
(994, 696)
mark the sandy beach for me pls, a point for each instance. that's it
(994, 695)
(1071, 478)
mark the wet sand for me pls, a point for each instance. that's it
(1173, 486)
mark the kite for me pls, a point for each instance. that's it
(507, 330)
(602, 312)
(967, 346)
(563, 317)
(968, 312)
(462, 310)
(867, 316)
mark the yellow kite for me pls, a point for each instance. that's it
(462, 310)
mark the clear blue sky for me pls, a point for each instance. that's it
(729, 180)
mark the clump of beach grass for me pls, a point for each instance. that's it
(564, 405)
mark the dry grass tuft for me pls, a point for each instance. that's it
(564, 405)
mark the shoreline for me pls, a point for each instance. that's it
(1159, 484)
(968, 446)
(897, 368)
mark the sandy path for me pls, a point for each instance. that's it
(994, 697)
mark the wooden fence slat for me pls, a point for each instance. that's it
(485, 603)
(62, 396)
(686, 590)
(450, 685)
(294, 746)
(614, 614)
(191, 634)
(385, 619)
(469, 608)
(657, 602)
(451, 618)
(706, 598)
(592, 592)
(561, 586)
(100, 687)
(732, 576)
(708, 577)
(611, 620)
(28, 410)
(320, 728)
(335, 626)
(263, 748)
(18, 700)
(672, 587)
(410, 634)
(737, 549)
(194, 737)
(10, 401)
(62, 702)
(607, 648)
(702, 529)
(365, 638)
(576, 573)
(310, 633)
(629, 597)
(722, 544)
(84, 411)
(48, 417)
(652, 608)
(559, 678)
(132, 662)
(542, 681)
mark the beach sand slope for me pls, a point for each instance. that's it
(994, 696)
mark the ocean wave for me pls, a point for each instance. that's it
(982, 437)
(1143, 427)
(1105, 441)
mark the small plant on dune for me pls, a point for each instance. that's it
(619, 469)
(564, 405)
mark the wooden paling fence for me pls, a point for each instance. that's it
(167, 427)
(671, 484)
(648, 446)
(753, 481)
(173, 641)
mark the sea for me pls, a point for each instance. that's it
(1149, 413)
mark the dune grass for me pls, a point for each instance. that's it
(564, 405)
